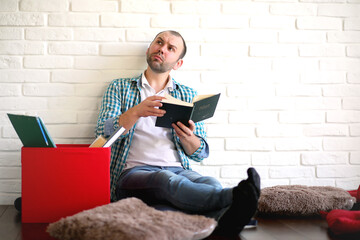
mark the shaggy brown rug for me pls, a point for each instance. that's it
(131, 219)
(298, 200)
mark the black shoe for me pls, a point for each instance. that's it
(17, 204)
(243, 207)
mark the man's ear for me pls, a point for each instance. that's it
(178, 64)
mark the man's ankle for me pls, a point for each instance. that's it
(17, 204)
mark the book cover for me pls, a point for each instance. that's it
(48, 138)
(203, 107)
(101, 141)
(114, 136)
(31, 131)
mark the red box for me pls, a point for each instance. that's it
(62, 181)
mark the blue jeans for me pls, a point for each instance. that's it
(186, 190)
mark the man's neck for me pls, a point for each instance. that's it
(157, 81)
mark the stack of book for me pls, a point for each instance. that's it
(33, 133)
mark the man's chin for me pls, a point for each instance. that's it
(157, 68)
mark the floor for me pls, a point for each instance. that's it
(11, 228)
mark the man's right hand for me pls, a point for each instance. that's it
(148, 107)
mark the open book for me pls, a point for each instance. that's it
(202, 107)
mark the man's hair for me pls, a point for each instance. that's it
(175, 33)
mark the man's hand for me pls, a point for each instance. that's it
(148, 107)
(188, 139)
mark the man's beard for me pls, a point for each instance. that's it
(158, 67)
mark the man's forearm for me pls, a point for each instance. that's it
(190, 144)
(128, 119)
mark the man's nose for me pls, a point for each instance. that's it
(161, 49)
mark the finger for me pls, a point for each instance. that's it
(154, 104)
(155, 98)
(184, 128)
(156, 112)
(179, 133)
(176, 128)
(149, 105)
(191, 125)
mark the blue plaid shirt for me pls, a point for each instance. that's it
(123, 94)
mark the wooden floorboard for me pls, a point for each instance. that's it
(10, 223)
(314, 229)
(11, 228)
(278, 230)
(2, 209)
(257, 233)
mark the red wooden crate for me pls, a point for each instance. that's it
(62, 181)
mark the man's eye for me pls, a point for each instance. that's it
(159, 42)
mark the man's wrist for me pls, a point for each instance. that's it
(127, 119)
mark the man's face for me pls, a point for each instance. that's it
(164, 52)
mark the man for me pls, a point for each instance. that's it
(152, 163)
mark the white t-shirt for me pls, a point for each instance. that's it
(152, 145)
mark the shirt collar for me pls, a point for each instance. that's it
(169, 86)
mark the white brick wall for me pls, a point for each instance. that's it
(288, 72)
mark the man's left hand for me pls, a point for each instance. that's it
(188, 139)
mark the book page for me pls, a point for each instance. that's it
(172, 100)
(201, 97)
(98, 142)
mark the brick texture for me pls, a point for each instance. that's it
(288, 72)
